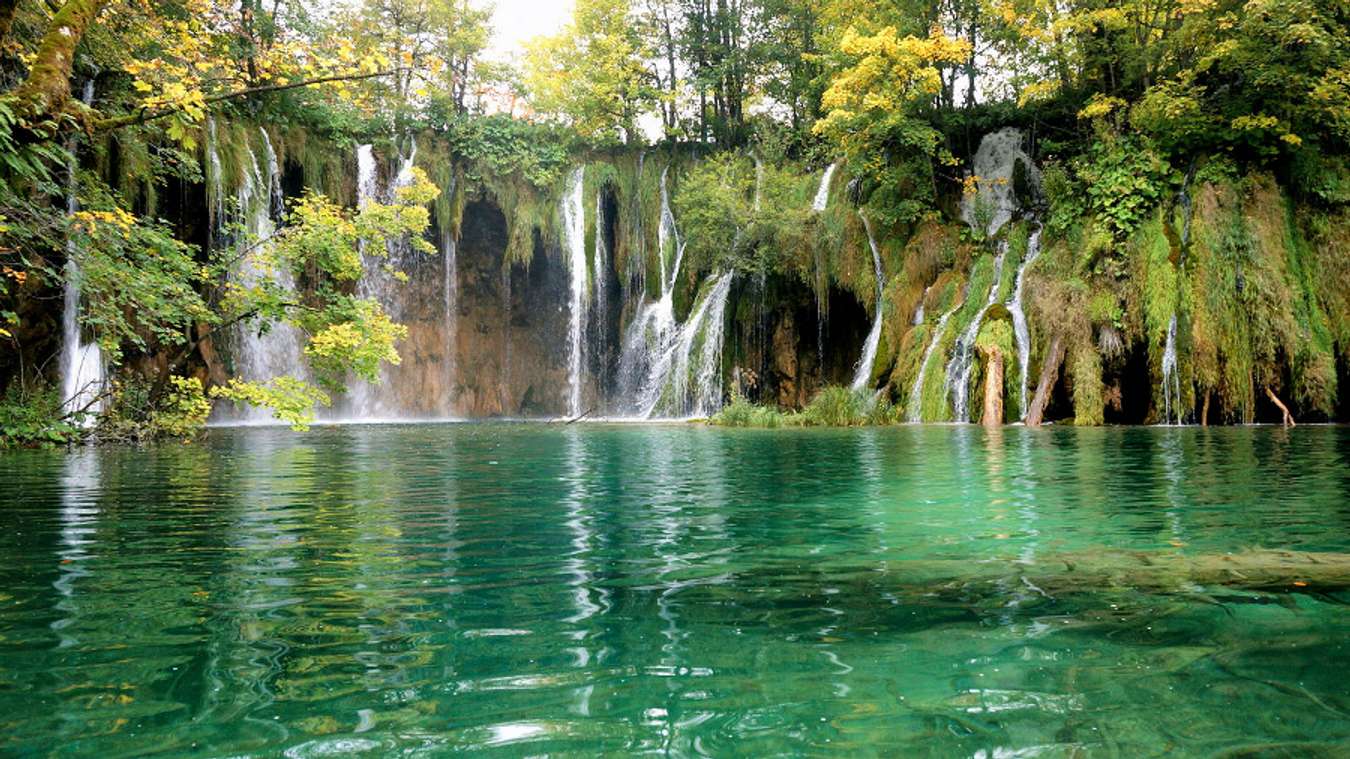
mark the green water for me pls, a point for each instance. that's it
(583, 590)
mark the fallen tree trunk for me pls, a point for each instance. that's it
(1262, 569)
(1288, 417)
(993, 387)
(1049, 375)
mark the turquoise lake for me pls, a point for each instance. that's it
(609, 589)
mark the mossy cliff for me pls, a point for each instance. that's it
(1246, 281)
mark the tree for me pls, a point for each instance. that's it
(592, 74)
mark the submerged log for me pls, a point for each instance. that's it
(1049, 375)
(1261, 569)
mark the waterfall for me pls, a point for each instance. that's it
(366, 400)
(1171, 378)
(994, 167)
(862, 375)
(1019, 319)
(215, 182)
(918, 310)
(450, 264)
(823, 192)
(81, 363)
(759, 182)
(367, 181)
(685, 374)
(915, 403)
(574, 237)
(667, 369)
(963, 352)
(599, 275)
(260, 356)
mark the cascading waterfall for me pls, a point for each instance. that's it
(918, 310)
(818, 205)
(261, 356)
(667, 369)
(1021, 333)
(686, 377)
(862, 375)
(599, 275)
(82, 376)
(759, 182)
(963, 352)
(1171, 378)
(823, 191)
(574, 235)
(915, 402)
(367, 400)
(995, 167)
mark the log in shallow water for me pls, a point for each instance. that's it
(1259, 569)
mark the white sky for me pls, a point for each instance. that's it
(516, 21)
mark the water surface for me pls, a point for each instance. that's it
(530, 589)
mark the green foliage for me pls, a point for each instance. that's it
(499, 147)
(1124, 179)
(838, 406)
(742, 413)
(34, 418)
(141, 285)
(135, 413)
(291, 400)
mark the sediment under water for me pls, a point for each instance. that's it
(592, 589)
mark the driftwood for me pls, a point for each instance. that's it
(993, 386)
(1288, 417)
(1049, 375)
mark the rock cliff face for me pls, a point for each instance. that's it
(492, 343)
(492, 333)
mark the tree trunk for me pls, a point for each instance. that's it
(1049, 376)
(7, 9)
(1288, 417)
(993, 387)
(47, 89)
(1204, 409)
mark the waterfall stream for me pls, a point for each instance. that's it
(822, 199)
(365, 400)
(963, 352)
(261, 355)
(915, 403)
(573, 214)
(1021, 333)
(1171, 378)
(668, 369)
(862, 375)
(82, 376)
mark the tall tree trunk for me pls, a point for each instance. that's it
(1049, 376)
(47, 89)
(993, 387)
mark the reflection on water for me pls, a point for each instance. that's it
(684, 590)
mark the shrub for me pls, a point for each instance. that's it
(35, 419)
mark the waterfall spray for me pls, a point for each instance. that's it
(574, 237)
(1021, 333)
(863, 373)
(963, 352)
(82, 376)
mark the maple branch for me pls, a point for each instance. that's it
(146, 115)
